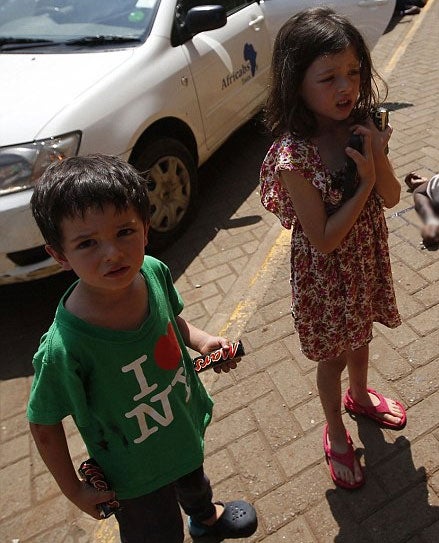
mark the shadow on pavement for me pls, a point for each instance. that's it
(226, 181)
(393, 505)
(27, 309)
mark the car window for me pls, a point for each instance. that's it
(62, 20)
(231, 6)
(235, 5)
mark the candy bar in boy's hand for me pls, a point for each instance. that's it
(234, 350)
(94, 476)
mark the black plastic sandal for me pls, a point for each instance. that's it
(238, 520)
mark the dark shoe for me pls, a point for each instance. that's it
(238, 520)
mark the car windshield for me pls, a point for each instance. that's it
(45, 24)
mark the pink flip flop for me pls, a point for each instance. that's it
(347, 459)
(373, 412)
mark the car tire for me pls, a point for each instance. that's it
(173, 189)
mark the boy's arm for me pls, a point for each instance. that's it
(52, 445)
(423, 204)
(199, 340)
(427, 212)
(205, 343)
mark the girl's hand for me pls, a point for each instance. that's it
(87, 498)
(386, 182)
(364, 160)
(380, 139)
(217, 342)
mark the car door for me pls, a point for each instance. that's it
(371, 17)
(229, 67)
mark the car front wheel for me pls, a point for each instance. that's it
(173, 186)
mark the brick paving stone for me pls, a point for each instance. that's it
(220, 466)
(242, 394)
(293, 531)
(392, 523)
(300, 455)
(227, 430)
(291, 384)
(264, 444)
(291, 499)
(256, 464)
(275, 420)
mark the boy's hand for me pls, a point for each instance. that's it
(227, 365)
(430, 233)
(216, 342)
(87, 498)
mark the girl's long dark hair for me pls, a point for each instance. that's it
(301, 40)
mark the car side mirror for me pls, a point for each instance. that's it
(203, 18)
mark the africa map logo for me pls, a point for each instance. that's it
(247, 69)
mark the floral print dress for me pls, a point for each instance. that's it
(336, 297)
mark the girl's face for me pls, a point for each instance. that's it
(105, 248)
(331, 85)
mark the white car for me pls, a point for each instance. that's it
(162, 83)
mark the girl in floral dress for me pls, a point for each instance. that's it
(322, 89)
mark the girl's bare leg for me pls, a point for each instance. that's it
(329, 385)
(358, 363)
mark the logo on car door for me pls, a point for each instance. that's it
(246, 71)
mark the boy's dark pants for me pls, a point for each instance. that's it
(156, 517)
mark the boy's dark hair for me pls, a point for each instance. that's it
(72, 186)
(300, 41)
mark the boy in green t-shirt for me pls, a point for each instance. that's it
(115, 359)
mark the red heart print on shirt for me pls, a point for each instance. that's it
(167, 351)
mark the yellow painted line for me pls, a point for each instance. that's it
(107, 531)
(400, 50)
(247, 306)
(282, 239)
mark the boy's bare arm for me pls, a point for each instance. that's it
(205, 343)
(52, 445)
(428, 214)
(423, 204)
(199, 340)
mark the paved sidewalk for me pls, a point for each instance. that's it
(265, 441)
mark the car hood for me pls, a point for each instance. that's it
(29, 80)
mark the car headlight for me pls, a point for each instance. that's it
(22, 165)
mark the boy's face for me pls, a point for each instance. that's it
(105, 248)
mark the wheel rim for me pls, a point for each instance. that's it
(169, 192)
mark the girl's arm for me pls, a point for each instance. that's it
(325, 232)
(52, 445)
(386, 184)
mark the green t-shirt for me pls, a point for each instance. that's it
(134, 395)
